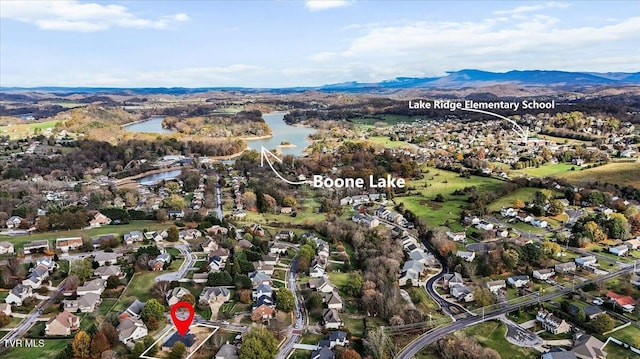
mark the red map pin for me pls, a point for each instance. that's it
(182, 322)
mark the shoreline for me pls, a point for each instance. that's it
(253, 138)
(291, 145)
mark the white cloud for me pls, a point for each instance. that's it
(323, 56)
(318, 5)
(72, 15)
(532, 8)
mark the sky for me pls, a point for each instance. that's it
(200, 43)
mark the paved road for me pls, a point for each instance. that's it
(189, 259)
(293, 334)
(421, 342)
(218, 208)
(22, 328)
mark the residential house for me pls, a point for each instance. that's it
(321, 285)
(132, 237)
(278, 249)
(47, 262)
(6, 248)
(285, 235)
(175, 295)
(462, 293)
(214, 295)
(85, 304)
(552, 323)
(99, 220)
(543, 274)
(633, 243)
(132, 310)
(262, 290)
(36, 246)
(624, 301)
(484, 225)
(5, 308)
(62, 324)
(562, 268)
(457, 236)
(105, 272)
(210, 245)
(258, 278)
(37, 276)
(524, 217)
(518, 281)
(586, 261)
(227, 351)
(270, 260)
(407, 276)
(322, 353)
(216, 264)
(508, 212)
(131, 329)
(466, 256)
(452, 280)
(335, 338)
(98, 241)
(200, 278)
(175, 214)
(331, 319)
(70, 243)
(539, 223)
(217, 229)
(495, 285)
(332, 300)
(106, 258)
(19, 294)
(619, 250)
(588, 347)
(95, 286)
(13, 222)
(160, 261)
(592, 311)
(559, 354)
(189, 339)
(262, 313)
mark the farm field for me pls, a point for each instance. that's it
(436, 181)
(27, 129)
(621, 173)
(387, 143)
(545, 170)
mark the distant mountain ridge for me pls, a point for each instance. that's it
(453, 80)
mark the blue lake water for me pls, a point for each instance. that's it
(153, 125)
(282, 131)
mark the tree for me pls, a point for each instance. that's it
(178, 351)
(289, 201)
(555, 207)
(530, 253)
(483, 297)
(510, 257)
(350, 354)
(174, 201)
(110, 333)
(113, 282)
(542, 196)
(81, 268)
(603, 323)
(354, 286)
(153, 308)
(634, 224)
(617, 226)
(99, 343)
(152, 323)
(81, 344)
(518, 203)
(138, 349)
(259, 343)
(285, 300)
(4, 319)
(219, 279)
(550, 249)
(149, 344)
(189, 298)
(581, 316)
(173, 235)
(161, 215)
(377, 341)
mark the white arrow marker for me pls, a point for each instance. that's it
(523, 133)
(264, 155)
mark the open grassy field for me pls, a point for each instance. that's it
(387, 143)
(544, 170)
(25, 130)
(19, 241)
(523, 194)
(52, 347)
(421, 200)
(491, 335)
(623, 174)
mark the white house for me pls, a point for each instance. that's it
(457, 236)
(518, 281)
(131, 329)
(539, 224)
(509, 212)
(586, 261)
(619, 250)
(19, 294)
(485, 226)
(495, 285)
(467, 256)
(13, 222)
(543, 274)
(6, 248)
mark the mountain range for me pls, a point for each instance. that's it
(453, 80)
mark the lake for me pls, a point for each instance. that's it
(153, 125)
(282, 131)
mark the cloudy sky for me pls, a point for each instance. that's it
(304, 43)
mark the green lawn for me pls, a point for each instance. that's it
(492, 335)
(19, 241)
(387, 143)
(52, 347)
(544, 170)
(424, 303)
(27, 129)
(422, 194)
(623, 174)
(615, 351)
(141, 288)
(523, 194)
(627, 334)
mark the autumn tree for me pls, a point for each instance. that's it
(510, 258)
(178, 351)
(378, 343)
(161, 215)
(483, 297)
(4, 319)
(173, 235)
(81, 268)
(289, 201)
(555, 207)
(110, 333)
(99, 343)
(550, 249)
(350, 354)
(81, 344)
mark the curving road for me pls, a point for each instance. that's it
(423, 341)
(189, 260)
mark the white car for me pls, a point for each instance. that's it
(597, 301)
